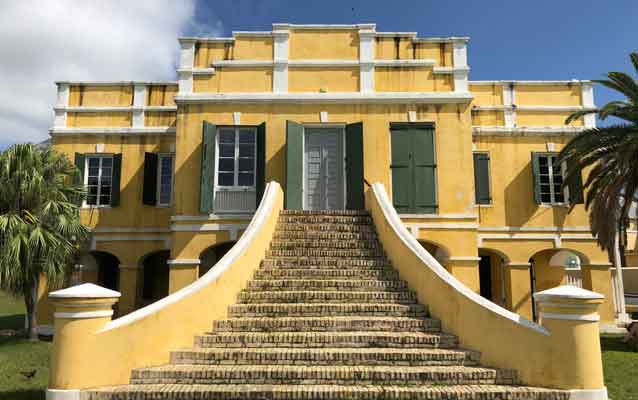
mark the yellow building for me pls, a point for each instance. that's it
(175, 170)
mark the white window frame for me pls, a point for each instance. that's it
(235, 187)
(563, 172)
(158, 184)
(101, 156)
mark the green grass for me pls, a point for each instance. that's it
(19, 355)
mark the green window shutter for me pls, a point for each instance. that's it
(575, 184)
(149, 193)
(424, 167)
(294, 165)
(207, 183)
(402, 187)
(482, 178)
(354, 166)
(79, 164)
(260, 173)
(115, 181)
(536, 177)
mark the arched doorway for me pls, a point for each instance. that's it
(491, 276)
(440, 253)
(209, 257)
(108, 269)
(155, 276)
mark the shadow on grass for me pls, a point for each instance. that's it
(26, 394)
(14, 321)
(615, 343)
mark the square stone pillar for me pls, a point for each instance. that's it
(518, 288)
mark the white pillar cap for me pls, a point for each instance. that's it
(566, 292)
(85, 291)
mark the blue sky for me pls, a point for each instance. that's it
(124, 40)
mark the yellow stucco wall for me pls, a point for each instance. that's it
(235, 79)
(410, 79)
(548, 95)
(100, 95)
(206, 53)
(390, 48)
(253, 48)
(160, 118)
(161, 95)
(327, 44)
(487, 95)
(99, 119)
(333, 79)
(488, 117)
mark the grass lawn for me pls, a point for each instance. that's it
(18, 355)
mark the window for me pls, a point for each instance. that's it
(550, 179)
(98, 179)
(482, 192)
(164, 179)
(236, 158)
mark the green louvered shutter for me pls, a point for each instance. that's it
(424, 167)
(80, 161)
(260, 173)
(354, 166)
(575, 184)
(482, 178)
(536, 175)
(294, 165)
(207, 182)
(402, 182)
(115, 182)
(149, 193)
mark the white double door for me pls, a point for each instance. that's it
(323, 169)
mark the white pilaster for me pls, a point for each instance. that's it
(587, 96)
(509, 98)
(139, 101)
(186, 62)
(366, 58)
(236, 118)
(461, 69)
(281, 34)
(61, 104)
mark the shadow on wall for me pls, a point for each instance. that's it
(155, 276)
(210, 256)
(520, 191)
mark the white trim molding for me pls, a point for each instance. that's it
(115, 238)
(159, 130)
(213, 217)
(588, 394)
(319, 98)
(281, 37)
(531, 83)
(526, 131)
(83, 314)
(440, 216)
(63, 394)
(186, 64)
(61, 105)
(184, 261)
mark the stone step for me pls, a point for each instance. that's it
(323, 296)
(326, 262)
(317, 392)
(322, 374)
(324, 227)
(325, 235)
(327, 324)
(325, 219)
(324, 212)
(326, 273)
(332, 253)
(324, 356)
(326, 309)
(328, 284)
(324, 244)
(327, 339)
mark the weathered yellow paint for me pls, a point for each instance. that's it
(410, 79)
(548, 95)
(326, 44)
(160, 118)
(161, 95)
(544, 118)
(403, 48)
(83, 347)
(488, 118)
(99, 119)
(100, 95)
(235, 79)
(597, 278)
(253, 48)
(518, 293)
(465, 271)
(206, 53)
(333, 79)
(487, 95)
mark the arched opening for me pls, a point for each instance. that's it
(108, 269)
(440, 253)
(155, 276)
(491, 277)
(209, 257)
(554, 267)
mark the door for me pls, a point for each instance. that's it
(413, 169)
(323, 169)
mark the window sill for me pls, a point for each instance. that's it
(549, 205)
(235, 189)
(483, 205)
(162, 206)
(86, 206)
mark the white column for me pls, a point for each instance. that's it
(618, 285)
(366, 57)
(587, 95)
(461, 69)
(139, 101)
(186, 63)
(281, 35)
(61, 104)
(509, 100)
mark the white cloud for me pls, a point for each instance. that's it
(45, 41)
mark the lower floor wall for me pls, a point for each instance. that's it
(506, 269)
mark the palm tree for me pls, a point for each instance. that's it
(40, 225)
(610, 155)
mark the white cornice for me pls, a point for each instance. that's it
(82, 109)
(441, 39)
(526, 131)
(404, 63)
(116, 83)
(325, 63)
(530, 83)
(395, 34)
(531, 108)
(450, 70)
(252, 33)
(336, 97)
(242, 63)
(160, 130)
(198, 71)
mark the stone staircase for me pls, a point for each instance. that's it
(325, 317)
